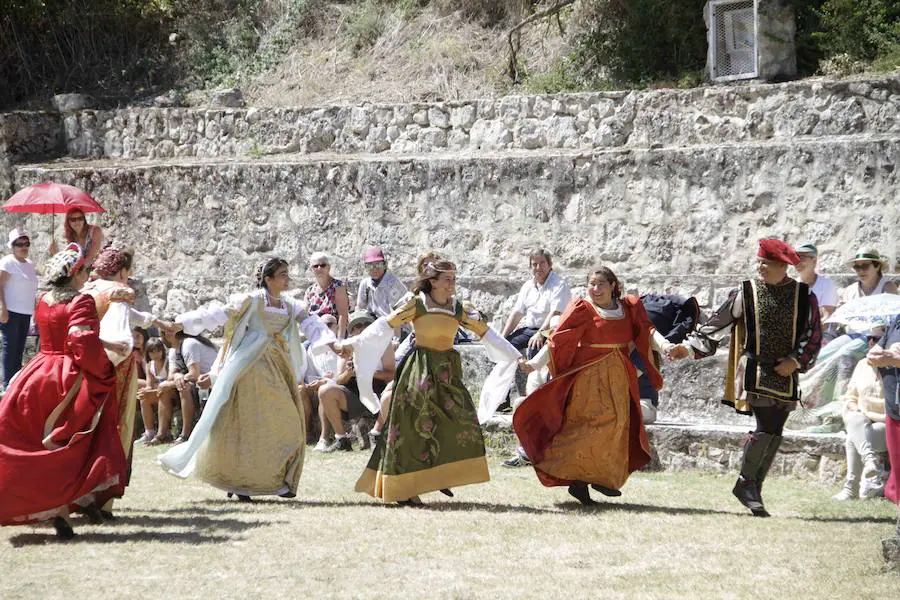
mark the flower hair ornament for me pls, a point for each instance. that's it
(64, 264)
(110, 260)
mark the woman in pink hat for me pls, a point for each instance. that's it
(381, 290)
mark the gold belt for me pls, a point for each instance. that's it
(607, 346)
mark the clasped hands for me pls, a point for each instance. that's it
(881, 357)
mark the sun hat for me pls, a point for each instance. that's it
(373, 254)
(15, 234)
(359, 317)
(807, 248)
(868, 254)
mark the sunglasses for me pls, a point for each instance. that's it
(376, 265)
(319, 266)
(75, 219)
(25, 244)
(862, 266)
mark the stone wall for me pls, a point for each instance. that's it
(667, 216)
(587, 121)
(27, 136)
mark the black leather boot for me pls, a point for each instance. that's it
(580, 492)
(746, 489)
(64, 531)
(768, 459)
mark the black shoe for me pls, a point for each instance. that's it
(746, 492)
(287, 495)
(242, 498)
(92, 512)
(447, 492)
(107, 515)
(64, 531)
(580, 492)
(606, 491)
(413, 502)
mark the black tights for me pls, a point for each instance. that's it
(770, 419)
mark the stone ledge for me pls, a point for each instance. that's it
(709, 115)
(717, 448)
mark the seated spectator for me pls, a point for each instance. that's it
(540, 298)
(327, 296)
(821, 286)
(190, 357)
(869, 265)
(156, 394)
(381, 290)
(18, 289)
(824, 384)
(863, 414)
(339, 399)
(674, 317)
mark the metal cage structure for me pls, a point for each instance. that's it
(734, 39)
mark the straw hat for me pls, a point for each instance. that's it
(869, 254)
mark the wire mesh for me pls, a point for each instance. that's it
(734, 34)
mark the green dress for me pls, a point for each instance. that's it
(432, 439)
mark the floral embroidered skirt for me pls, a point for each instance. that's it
(432, 439)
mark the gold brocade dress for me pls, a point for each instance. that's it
(256, 445)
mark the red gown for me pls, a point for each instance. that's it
(584, 425)
(58, 436)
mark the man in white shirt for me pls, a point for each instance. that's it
(546, 294)
(821, 286)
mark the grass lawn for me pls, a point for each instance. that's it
(676, 534)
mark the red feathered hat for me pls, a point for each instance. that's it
(777, 250)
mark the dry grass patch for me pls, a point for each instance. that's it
(670, 535)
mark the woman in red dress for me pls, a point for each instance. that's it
(59, 446)
(584, 426)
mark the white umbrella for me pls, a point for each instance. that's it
(861, 314)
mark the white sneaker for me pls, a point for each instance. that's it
(148, 435)
(648, 411)
(321, 446)
(847, 493)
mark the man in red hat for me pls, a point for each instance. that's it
(776, 335)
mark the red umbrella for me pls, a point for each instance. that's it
(51, 198)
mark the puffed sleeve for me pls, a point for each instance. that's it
(403, 314)
(83, 339)
(472, 320)
(116, 328)
(312, 327)
(214, 315)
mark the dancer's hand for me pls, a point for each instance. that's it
(116, 347)
(879, 357)
(785, 366)
(204, 381)
(525, 366)
(677, 352)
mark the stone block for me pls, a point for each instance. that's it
(65, 103)
(227, 98)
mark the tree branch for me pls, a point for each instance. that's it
(514, 35)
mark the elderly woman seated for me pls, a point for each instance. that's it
(862, 409)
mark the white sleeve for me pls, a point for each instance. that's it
(542, 358)
(212, 316)
(830, 297)
(115, 327)
(519, 306)
(499, 381)
(316, 332)
(140, 319)
(368, 348)
(560, 298)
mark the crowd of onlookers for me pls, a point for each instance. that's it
(841, 391)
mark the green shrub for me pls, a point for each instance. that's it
(366, 26)
(861, 29)
(642, 40)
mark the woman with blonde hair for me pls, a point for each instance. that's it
(327, 296)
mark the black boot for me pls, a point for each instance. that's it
(447, 492)
(768, 459)
(92, 512)
(606, 491)
(746, 489)
(64, 531)
(580, 492)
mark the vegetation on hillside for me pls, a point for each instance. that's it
(330, 50)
